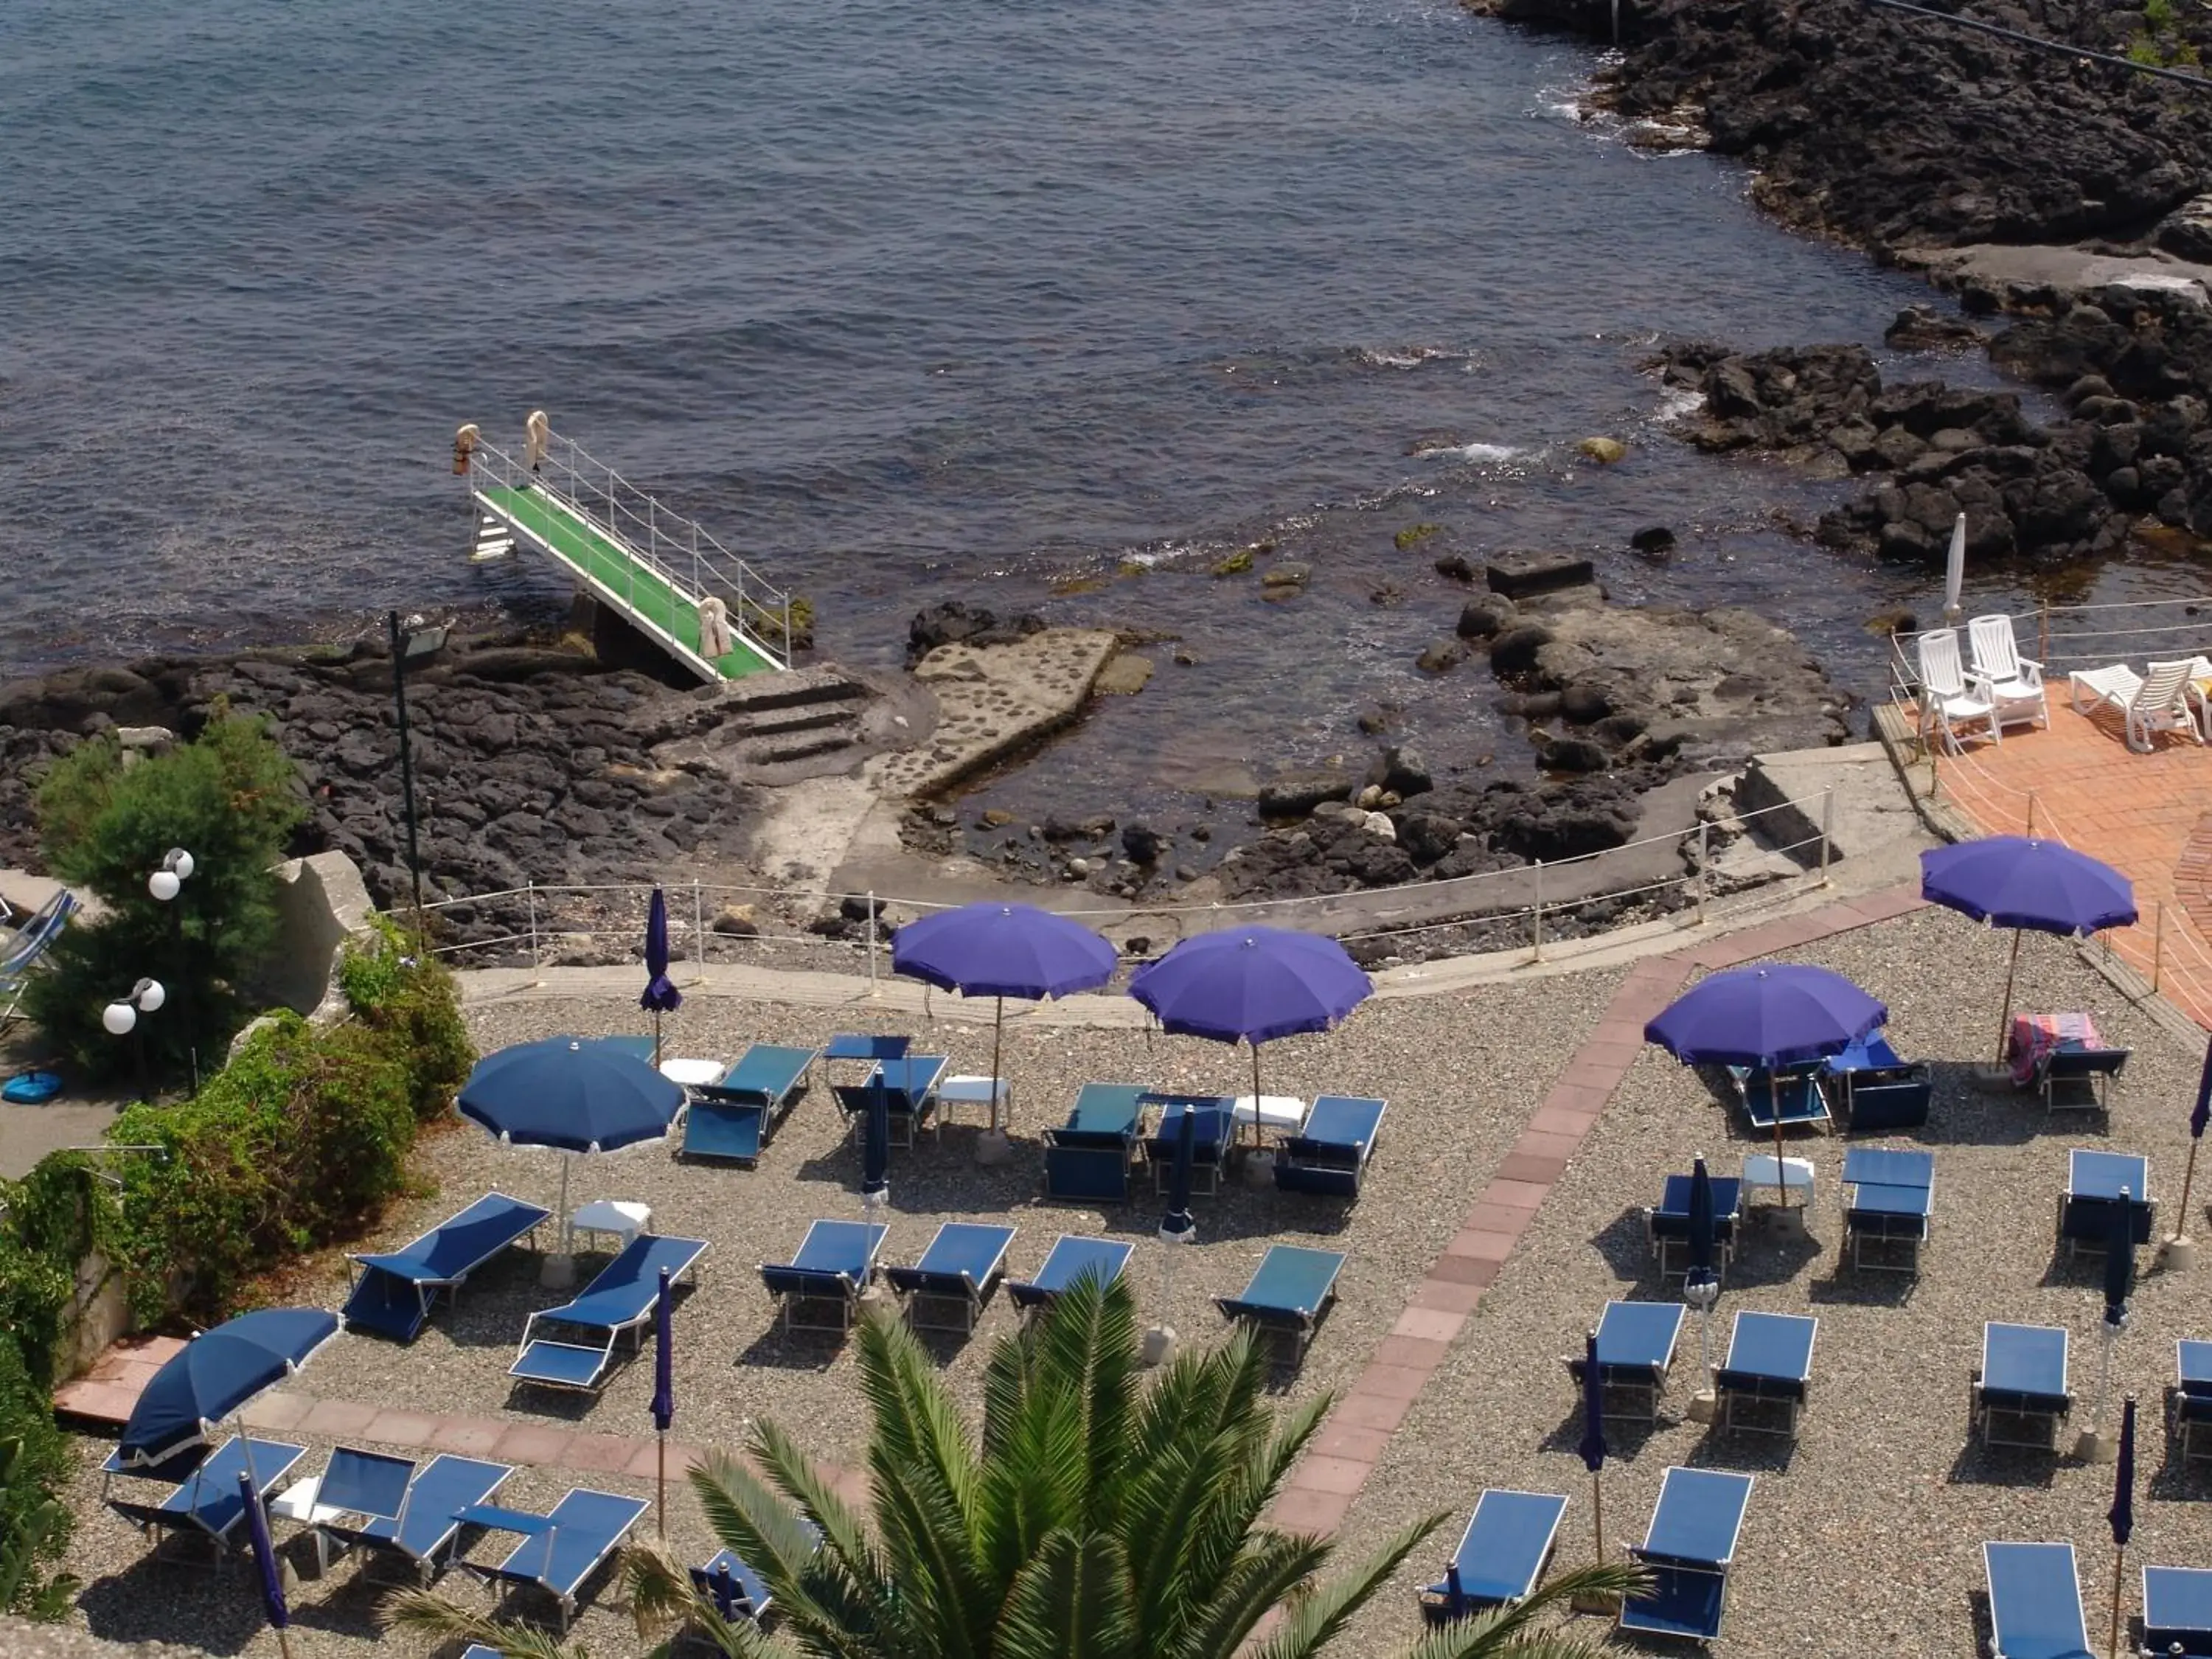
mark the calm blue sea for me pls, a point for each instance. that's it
(963, 299)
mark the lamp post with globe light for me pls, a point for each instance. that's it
(121, 1018)
(165, 885)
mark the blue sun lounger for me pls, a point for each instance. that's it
(2022, 1383)
(1635, 1352)
(1794, 1096)
(1211, 1130)
(946, 1290)
(733, 1117)
(393, 1293)
(737, 1591)
(204, 1501)
(1328, 1155)
(560, 1550)
(1891, 1196)
(1501, 1557)
(2189, 1404)
(1667, 1224)
(1087, 1159)
(355, 1506)
(620, 1299)
(2073, 1077)
(2035, 1601)
(2176, 1611)
(1069, 1259)
(30, 946)
(835, 1260)
(2095, 1180)
(1287, 1296)
(1690, 1547)
(1881, 1092)
(912, 1082)
(1770, 1362)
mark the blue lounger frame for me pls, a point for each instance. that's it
(948, 1288)
(2177, 1611)
(1890, 1199)
(393, 1293)
(1636, 1343)
(912, 1083)
(835, 1263)
(730, 1119)
(1769, 1363)
(2035, 1601)
(1289, 1294)
(1501, 1556)
(1087, 1159)
(1689, 1549)
(421, 1531)
(1071, 1257)
(619, 1299)
(1796, 1095)
(204, 1501)
(1328, 1156)
(2021, 1379)
(1211, 1133)
(561, 1549)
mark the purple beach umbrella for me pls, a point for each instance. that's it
(1592, 1444)
(2121, 1514)
(661, 995)
(2199, 1116)
(1251, 984)
(664, 1395)
(264, 1562)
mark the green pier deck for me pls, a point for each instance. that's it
(613, 570)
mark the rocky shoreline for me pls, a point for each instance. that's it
(1921, 142)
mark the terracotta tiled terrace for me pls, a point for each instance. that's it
(2149, 815)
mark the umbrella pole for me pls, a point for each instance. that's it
(2004, 1020)
(2112, 1644)
(1774, 1110)
(998, 1036)
(660, 1466)
(656, 1039)
(2188, 1175)
(1256, 1088)
(1597, 1512)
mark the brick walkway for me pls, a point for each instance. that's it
(2148, 815)
(1343, 1454)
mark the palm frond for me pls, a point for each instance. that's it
(1310, 1619)
(1033, 1484)
(1273, 1564)
(1072, 1602)
(835, 1595)
(1504, 1633)
(664, 1600)
(445, 1620)
(943, 1590)
(1088, 1349)
(1008, 1378)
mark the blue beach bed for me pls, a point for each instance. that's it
(2020, 1389)
(1328, 1156)
(1211, 1130)
(2189, 1412)
(1287, 1296)
(1689, 1547)
(2095, 1180)
(947, 1289)
(1881, 1092)
(1087, 1159)
(561, 1549)
(912, 1082)
(1501, 1557)
(419, 1528)
(1770, 1362)
(1635, 1352)
(1891, 1197)
(1070, 1258)
(1667, 1224)
(733, 1117)
(204, 1500)
(2176, 1611)
(819, 1290)
(392, 1294)
(620, 1299)
(2035, 1601)
(1796, 1095)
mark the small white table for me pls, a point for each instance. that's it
(297, 1503)
(965, 1090)
(624, 1219)
(1274, 1114)
(693, 1074)
(1797, 1178)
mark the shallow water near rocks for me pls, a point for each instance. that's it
(964, 301)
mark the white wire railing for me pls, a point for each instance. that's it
(551, 919)
(2068, 637)
(672, 547)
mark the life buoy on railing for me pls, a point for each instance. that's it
(536, 432)
(713, 628)
(464, 443)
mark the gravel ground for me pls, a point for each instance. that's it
(1461, 1073)
(1865, 1537)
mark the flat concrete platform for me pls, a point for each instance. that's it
(991, 701)
(108, 1393)
(1854, 788)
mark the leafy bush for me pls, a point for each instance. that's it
(231, 798)
(33, 1463)
(413, 999)
(52, 1218)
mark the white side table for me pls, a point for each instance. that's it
(1275, 1114)
(964, 1090)
(297, 1503)
(623, 1219)
(693, 1074)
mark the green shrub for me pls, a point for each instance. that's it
(413, 999)
(50, 1221)
(231, 798)
(34, 1462)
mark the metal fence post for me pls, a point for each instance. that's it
(2043, 632)
(698, 927)
(1705, 865)
(1537, 955)
(872, 987)
(531, 887)
(2158, 946)
(1827, 828)
(2031, 815)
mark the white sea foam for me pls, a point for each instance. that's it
(1678, 402)
(1473, 451)
(1411, 356)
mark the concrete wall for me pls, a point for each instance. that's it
(321, 904)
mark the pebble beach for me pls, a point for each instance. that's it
(1862, 1536)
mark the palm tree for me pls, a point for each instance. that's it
(1098, 1518)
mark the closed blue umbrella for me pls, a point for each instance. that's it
(1787, 1014)
(215, 1374)
(1592, 1445)
(570, 1095)
(664, 1395)
(1251, 984)
(661, 995)
(876, 1147)
(2119, 1285)
(998, 950)
(1700, 1284)
(1178, 1227)
(2199, 1116)
(2019, 883)
(264, 1562)
(2121, 1514)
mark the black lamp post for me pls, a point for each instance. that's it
(165, 885)
(121, 1018)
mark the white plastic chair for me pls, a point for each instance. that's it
(2156, 702)
(2014, 683)
(1947, 701)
